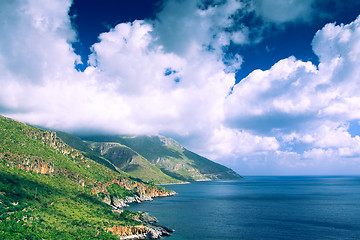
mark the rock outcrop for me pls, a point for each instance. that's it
(148, 230)
(128, 230)
(52, 140)
(43, 152)
(28, 163)
(141, 192)
(36, 164)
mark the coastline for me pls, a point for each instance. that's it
(169, 184)
(152, 229)
(332, 207)
(149, 228)
(200, 180)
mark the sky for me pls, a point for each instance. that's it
(266, 87)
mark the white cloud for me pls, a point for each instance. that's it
(281, 97)
(33, 49)
(226, 142)
(240, 37)
(30, 27)
(172, 76)
(183, 28)
(294, 90)
(124, 59)
(132, 85)
(164, 92)
(305, 106)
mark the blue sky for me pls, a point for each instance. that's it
(292, 36)
(265, 87)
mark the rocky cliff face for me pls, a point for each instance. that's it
(129, 230)
(148, 230)
(138, 232)
(28, 163)
(38, 164)
(52, 140)
(43, 152)
(141, 192)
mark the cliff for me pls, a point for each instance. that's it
(49, 190)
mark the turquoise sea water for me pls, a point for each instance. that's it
(261, 208)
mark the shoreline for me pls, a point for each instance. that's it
(156, 231)
(149, 228)
(169, 184)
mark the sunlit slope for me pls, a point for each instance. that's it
(48, 190)
(173, 159)
(120, 157)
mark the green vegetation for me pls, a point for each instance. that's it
(151, 158)
(35, 206)
(120, 157)
(166, 155)
(49, 190)
(117, 191)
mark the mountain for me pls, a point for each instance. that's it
(120, 157)
(140, 156)
(49, 190)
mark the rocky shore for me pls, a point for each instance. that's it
(149, 228)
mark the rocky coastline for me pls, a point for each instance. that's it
(149, 228)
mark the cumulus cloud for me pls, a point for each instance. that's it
(132, 85)
(28, 27)
(226, 142)
(302, 104)
(163, 90)
(173, 75)
(187, 26)
(33, 48)
(299, 90)
(267, 100)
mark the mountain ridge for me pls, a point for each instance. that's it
(167, 155)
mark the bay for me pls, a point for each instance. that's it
(261, 208)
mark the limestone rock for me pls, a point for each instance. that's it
(118, 203)
(107, 200)
(154, 233)
(145, 198)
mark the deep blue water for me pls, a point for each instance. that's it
(261, 208)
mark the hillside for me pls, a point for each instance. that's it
(164, 153)
(120, 157)
(49, 190)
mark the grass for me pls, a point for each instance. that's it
(171, 158)
(116, 191)
(119, 157)
(59, 204)
(35, 206)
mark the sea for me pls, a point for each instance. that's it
(261, 208)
